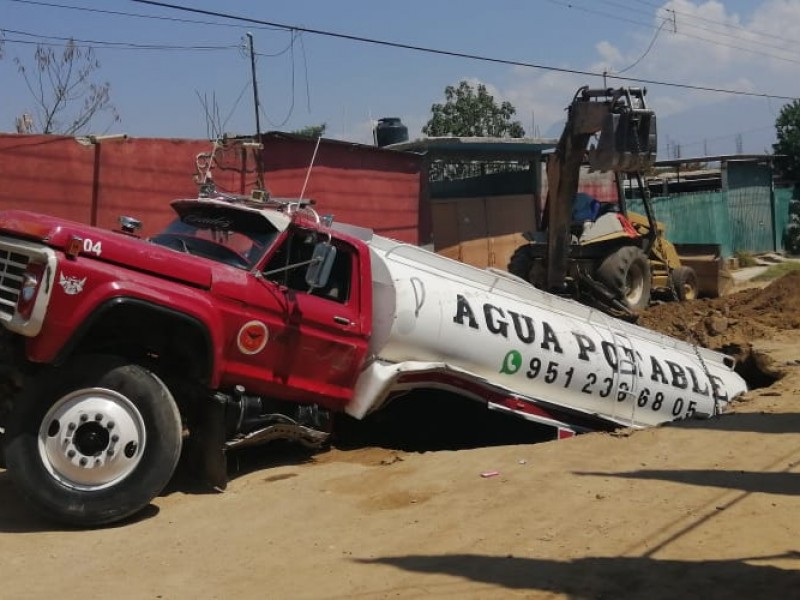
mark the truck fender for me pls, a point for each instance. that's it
(84, 332)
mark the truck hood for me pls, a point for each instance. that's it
(110, 246)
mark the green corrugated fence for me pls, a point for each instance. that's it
(739, 220)
(782, 198)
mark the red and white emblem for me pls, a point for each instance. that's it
(72, 285)
(252, 338)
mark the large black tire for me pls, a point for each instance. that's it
(94, 441)
(791, 237)
(626, 273)
(526, 266)
(521, 263)
(684, 282)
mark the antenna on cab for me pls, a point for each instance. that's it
(310, 166)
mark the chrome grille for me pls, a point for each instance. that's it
(12, 267)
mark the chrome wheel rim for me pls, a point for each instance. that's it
(91, 439)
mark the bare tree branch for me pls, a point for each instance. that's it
(66, 99)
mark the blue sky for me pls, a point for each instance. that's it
(305, 79)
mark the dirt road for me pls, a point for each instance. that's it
(705, 509)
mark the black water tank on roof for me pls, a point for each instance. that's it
(390, 130)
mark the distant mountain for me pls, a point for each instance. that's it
(734, 125)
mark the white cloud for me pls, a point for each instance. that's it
(608, 52)
(707, 45)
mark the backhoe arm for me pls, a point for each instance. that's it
(627, 143)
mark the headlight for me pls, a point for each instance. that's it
(31, 280)
(29, 285)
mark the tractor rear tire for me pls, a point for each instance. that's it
(525, 265)
(626, 273)
(684, 282)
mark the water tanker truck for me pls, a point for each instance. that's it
(247, 321)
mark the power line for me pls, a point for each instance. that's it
(671, 14)
(771, 36)
(616, 17)
(646, 52)
(107, 44)
(291, 105)
(135, 15)
(134, 46)
(130, 45)
(378, 42)
(766, 34)
(572, 6)
(294, 28)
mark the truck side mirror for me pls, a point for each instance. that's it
(129, 225)
(319, 269)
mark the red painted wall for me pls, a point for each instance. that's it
(380, 189)
(97, 183)
(49, 174)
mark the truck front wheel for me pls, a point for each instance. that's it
(93, 441)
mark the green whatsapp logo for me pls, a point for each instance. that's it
(511, 363)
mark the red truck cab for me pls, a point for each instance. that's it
(239, 323)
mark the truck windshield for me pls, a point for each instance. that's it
(238, 240)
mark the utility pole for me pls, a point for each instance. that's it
(259, 148)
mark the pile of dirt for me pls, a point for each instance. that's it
(731, 322)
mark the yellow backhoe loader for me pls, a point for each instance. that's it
(599, 253)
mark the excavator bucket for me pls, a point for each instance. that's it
(713, 277)
(627, 141)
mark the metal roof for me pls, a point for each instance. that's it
(717, 158)
(283, 135)
(478, 148)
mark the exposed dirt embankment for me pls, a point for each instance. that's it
(731, 323)
(733, 319)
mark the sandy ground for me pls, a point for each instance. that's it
(706, 509)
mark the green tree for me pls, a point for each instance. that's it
(312, 131)
(470, 111)
(787, 127)
(66, 97)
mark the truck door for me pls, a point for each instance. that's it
(323, 340)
